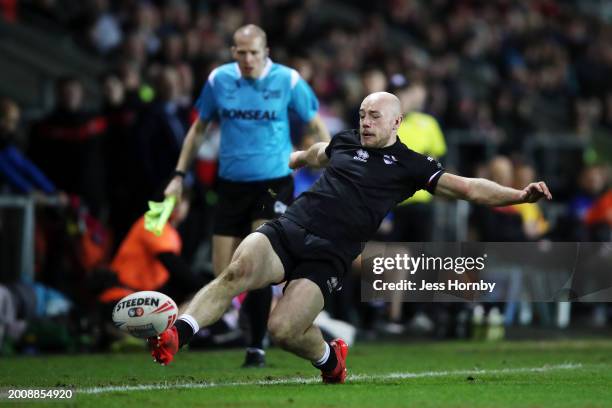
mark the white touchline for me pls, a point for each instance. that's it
(312, 380)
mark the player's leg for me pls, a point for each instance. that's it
(290, 323)
(291, 327)
(254, 265)
(257, 303)
(223, 247)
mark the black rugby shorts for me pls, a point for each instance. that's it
(305, 255)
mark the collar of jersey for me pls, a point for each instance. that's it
(393, 146)
(264, 73)
(380, 149)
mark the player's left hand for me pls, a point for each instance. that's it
(534, 192)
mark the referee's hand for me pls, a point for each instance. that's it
(534, 192)
(175, 188)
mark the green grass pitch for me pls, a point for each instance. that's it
(451, 374)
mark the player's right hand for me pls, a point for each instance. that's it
(175, 187)
(296, 160)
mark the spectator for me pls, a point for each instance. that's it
(499, 224)
(68, 146)
(105, 33)
(120, 112)
(592, 185)
(19, 173)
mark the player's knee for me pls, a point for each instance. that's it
(238, 270)
(281, 330)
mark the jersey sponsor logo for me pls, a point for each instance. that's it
(271, 93)
(248, 114)
(389, 159)
(333, 284)
(361, 155)
(431, 159)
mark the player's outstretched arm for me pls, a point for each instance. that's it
(313, 157)
(487, 192)
(192, 141)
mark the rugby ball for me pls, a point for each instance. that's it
(145, 314)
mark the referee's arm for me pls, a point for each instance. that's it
(487, 192)
(192, 141)
(314, 157)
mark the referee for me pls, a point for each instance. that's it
(250, 99)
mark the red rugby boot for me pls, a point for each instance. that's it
(338, 374)
(165, 346)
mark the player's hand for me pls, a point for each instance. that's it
(534, 192)
(296, 160)
(175, 187)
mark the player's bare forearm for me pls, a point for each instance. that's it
(314, 157)
(490, 193)
(487, 192)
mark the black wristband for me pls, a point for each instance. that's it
(179, 173)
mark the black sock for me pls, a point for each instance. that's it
(185, 332)
(331, 363)
(257, 307)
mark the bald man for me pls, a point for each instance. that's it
(368, 171)
(250, 99)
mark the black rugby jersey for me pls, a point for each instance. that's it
(359, 187)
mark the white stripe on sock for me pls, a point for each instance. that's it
(191, 322)
(325, 357)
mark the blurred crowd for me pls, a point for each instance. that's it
(505, 69)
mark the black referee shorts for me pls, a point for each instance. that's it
(306, 255)
(241, 203)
